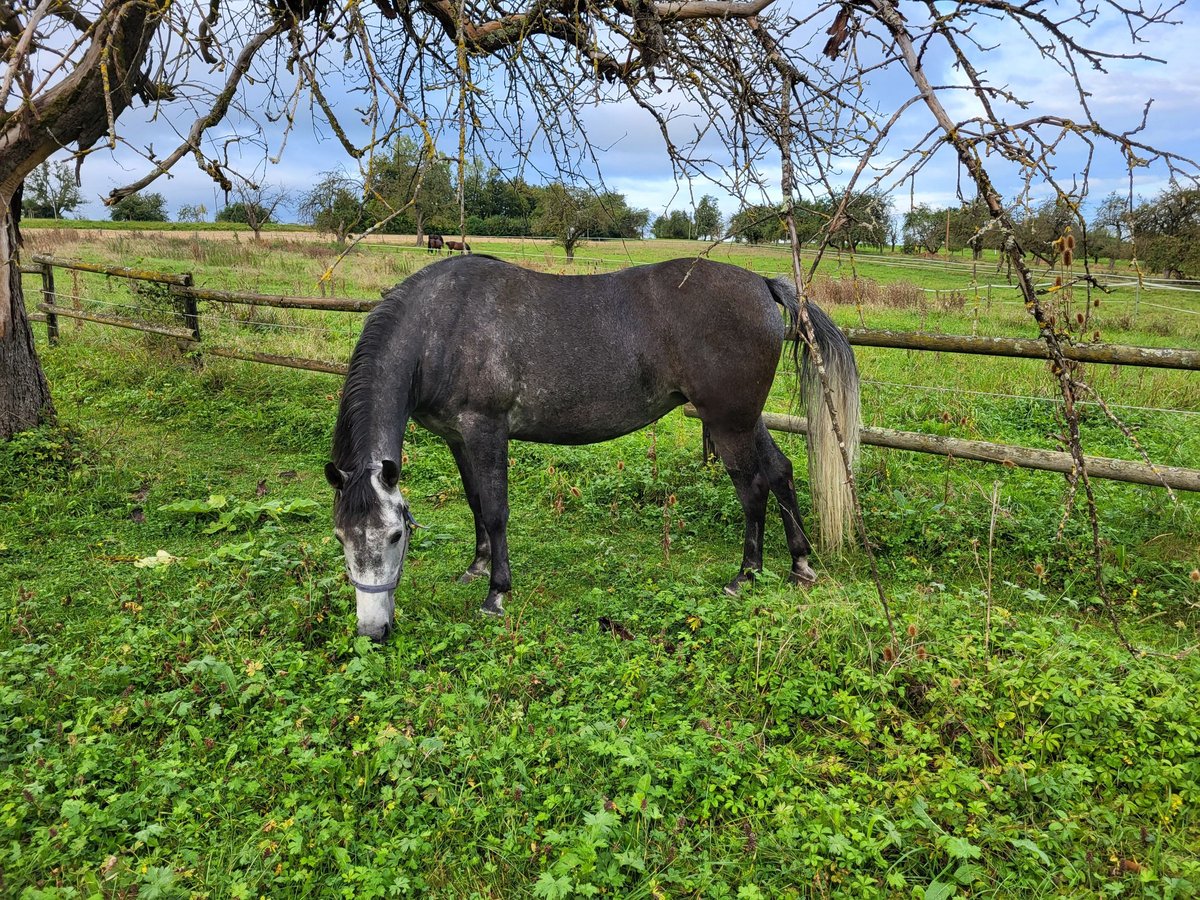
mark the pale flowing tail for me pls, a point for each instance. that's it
(832, 498)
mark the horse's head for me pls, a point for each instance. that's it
(372, 522)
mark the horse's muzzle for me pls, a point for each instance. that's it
(377, 633)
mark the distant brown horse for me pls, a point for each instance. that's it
(436, 242)
(461, 246)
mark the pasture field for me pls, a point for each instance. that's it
(185, 711)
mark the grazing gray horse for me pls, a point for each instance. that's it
(481, 352)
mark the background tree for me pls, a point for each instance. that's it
(1112, 226)
(708, 219)
(140, 208)
(410, 190)
(1166, 231)
(924, 229)
(861, 217)
(1041, 225)
(335, 205)
(675, 224)
(968, 228)
(51, 192)
(568, 215)
(192, 212)
(757, 225)
(256, 205)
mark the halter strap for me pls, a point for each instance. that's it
(373, 588)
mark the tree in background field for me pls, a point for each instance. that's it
(674, 225)
(50, 192)
(757, 225)
(256, 205)
(1112, 227)
(862, 217)
(708, 221)
(924, 229)
(1040, 226)
(568, 215)
(1166, 232)
(140, 208)
(334, 205)
(193, 213)
(409, 189)
(968, 228)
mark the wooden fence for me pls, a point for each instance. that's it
(190, 335)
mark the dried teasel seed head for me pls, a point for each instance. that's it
(1039, 570)
(921, 653)
(620, 465)
(1058, 281)
(1095, 336)
(1195, 575)
(576, 492)
(1068, 257)
(888, 654)
(1069, 241)
(1096, 302)
(1079, 318)
(912, 631)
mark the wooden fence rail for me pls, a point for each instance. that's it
(276, 300)
(986, 451)
(115, 271)
(1115, 354)
(1004, 454)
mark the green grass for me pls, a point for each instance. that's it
(204, 723)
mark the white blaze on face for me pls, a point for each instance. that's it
(375, 551)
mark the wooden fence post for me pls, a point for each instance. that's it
(191, 316)
(50, 300)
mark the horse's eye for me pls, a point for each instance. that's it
(341, 540)
(395, 537)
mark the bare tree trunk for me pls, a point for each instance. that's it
(24, 393)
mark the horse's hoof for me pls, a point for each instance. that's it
(802, 574)
(470, 575)
(493, 606)
(734, 588)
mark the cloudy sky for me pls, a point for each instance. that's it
(633, 160)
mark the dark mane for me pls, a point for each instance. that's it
(361, 390)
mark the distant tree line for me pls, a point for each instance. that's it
(409, 190)
(412, 192)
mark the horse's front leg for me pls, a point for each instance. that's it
(483, 548)
(486, 450)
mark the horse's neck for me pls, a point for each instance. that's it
(384, 408)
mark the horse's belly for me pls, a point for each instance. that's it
(589, 420)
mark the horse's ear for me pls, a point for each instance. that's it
(334, 476)
(390, 473)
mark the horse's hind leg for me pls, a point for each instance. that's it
(778, 470)
(738, 453)
(483, 548)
